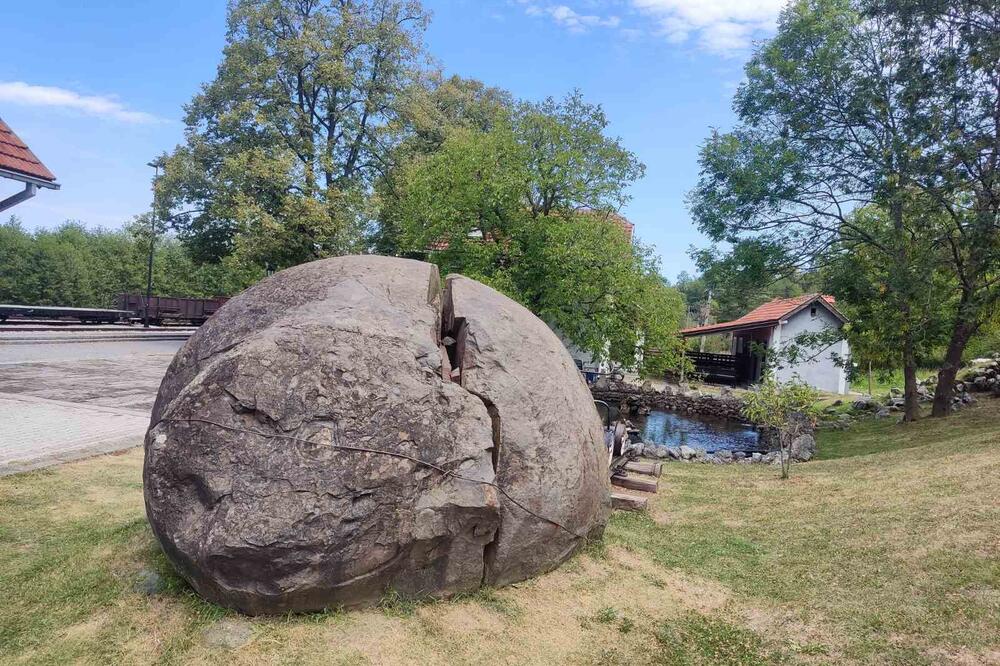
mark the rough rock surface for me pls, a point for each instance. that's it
(803, 447)
(269, 479)
(550, 458)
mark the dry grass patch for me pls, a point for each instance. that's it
(884, 552)
(79, 544)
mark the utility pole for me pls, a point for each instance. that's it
(152, 243)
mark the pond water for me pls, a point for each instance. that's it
(699, 432)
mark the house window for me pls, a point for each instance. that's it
(812, 312)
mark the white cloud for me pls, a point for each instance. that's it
(19, 92)
(569, 18)
(724, 27)
(720, 26)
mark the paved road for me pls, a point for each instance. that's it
(48, 351)
(65, 400)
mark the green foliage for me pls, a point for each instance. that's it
(283, 145)
(435, 106)
(394, 604)
(780, 406)
(887, 301)
(606, 615)
(986, 342)
(857, 104)
(753, 272)
(772, 403)
(573, 165)
(432, 110)
(508, 206)
(78, 267)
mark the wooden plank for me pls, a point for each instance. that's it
(635, 483)
(647, 468)
(626, 502)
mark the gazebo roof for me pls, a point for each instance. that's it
(767, 315)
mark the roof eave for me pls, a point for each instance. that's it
(819, 299)
(709, 330)
(25, 178)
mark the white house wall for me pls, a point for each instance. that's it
(822, 372)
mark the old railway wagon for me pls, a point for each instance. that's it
(170, 309)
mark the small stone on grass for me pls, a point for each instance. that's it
(149, 582)
(229, 633)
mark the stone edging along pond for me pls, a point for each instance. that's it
(640, 400)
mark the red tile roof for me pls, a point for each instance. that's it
(768, 314)
(626, 226)
(17, 157)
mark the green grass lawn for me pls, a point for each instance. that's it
(885, 550)
(882, 384)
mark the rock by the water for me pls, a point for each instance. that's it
(307, 443)
(686, 452)
(803, 447)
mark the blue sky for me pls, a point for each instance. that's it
(96, 89)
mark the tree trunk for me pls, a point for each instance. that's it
(784, 450)
(911, 404)
(960, 335)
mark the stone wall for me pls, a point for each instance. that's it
(640, 400)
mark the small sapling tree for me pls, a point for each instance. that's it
(784, 407)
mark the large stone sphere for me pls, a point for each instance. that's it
(346, 428)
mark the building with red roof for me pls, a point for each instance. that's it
(18, 163)
(772, 327)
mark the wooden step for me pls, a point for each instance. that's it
(647, 468)
(635, 483)
(626, 502)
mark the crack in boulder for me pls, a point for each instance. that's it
(454, 334)
(346, 362)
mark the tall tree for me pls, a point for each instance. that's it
(433, 108)
(870, 292)
(960, 155)
(508, 206)
(574, 166)
(283, 145)
(828, 124)
(436, 105)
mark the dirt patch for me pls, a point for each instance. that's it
(966, 657)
